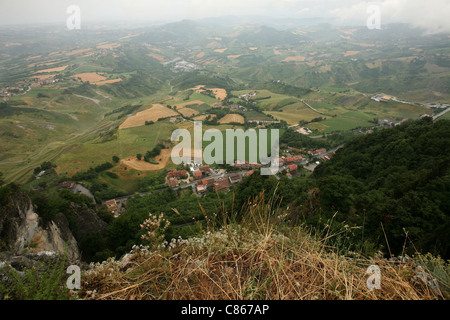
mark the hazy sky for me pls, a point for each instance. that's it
(434, 15)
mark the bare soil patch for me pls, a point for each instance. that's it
(100, 83)
(232, 118)
(156, 112)
(188, 112)
(57, 69)
(157, 57)
(141, 165)
(294, 59)
(190, 103)
(350, 53)
(221, 50)
(90, 76)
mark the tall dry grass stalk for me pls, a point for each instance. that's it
(252, 255)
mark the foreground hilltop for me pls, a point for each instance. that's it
(258, 258)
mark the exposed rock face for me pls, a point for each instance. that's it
(23, 231)
(86, 220)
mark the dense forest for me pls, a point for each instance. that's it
(395, 184)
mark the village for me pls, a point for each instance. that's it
(205, 178)
(23, 87)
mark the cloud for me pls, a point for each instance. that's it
(431, 15)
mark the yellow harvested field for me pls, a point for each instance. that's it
(57, 69)
(221, 50)
(190, 103)
(75, 52)
(253, 48)
(33, 57)
(232, 118)
(9, 44)
(157, 57)
(188, 112)
(109, 45)
(100, 83)
(42, 64)
(234, 56)
(349, 31)
(141, 165)
(350, 53)
(365, 45)
(220, 93)
(294, 59)
(95, 78)
(209, 61)
(156, 112)
(200, 55)
(131, 36)
(203, 117)
(42, 77)
(276, 52)
(90, 76)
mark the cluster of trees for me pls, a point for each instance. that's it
(123, 111)
(156, 181)
(149, 155)
(298, 140)
(46, 165)
(91, 173)
(394, 182)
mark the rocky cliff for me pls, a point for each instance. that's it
(23, 231)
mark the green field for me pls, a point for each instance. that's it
(129, 142)
(91, 68)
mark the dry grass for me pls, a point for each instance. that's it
(109, 45)
(157, 57)
(100, 83)
(188, 112)
(156, 112)
(232, 118)
(190, 103)
(294, 59)
(92, 77)
(57, 69)
(257, 257)
(351, 53)
(163, 160)
(203, 117)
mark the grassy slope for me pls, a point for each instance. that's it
(257, 258)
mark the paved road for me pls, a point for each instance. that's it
(441, 114)
(184, 186)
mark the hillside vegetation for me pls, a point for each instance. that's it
(256, 257)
